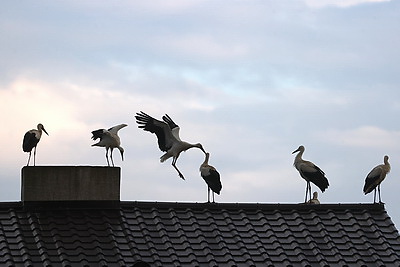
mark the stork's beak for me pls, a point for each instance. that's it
(45, 131)
(297, 150)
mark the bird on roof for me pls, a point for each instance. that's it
(30, 141)
(375, 177)
(310, 172)
(314, 199)
(211, 176)
(110, 140)
(167, 133)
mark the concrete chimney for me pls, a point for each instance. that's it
(70, 186)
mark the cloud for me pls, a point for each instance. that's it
(340, 3)
(365, 136)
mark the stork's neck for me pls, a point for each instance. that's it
(206, 159)
(386, 164)
(38, 134)
(299, 156)
(187, 145)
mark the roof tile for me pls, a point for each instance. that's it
(176, 234)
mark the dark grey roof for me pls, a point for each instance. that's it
(198, 234)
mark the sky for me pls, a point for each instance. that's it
(250, 80)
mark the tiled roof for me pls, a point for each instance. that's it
(199, 234)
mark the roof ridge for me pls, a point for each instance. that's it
(198, 205)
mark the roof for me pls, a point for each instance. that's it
(198, 234)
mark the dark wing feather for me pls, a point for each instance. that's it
(98, 134)
(317, 177)
(160, 128)
(372, 180)
(370, 184)
(169, 121)
(213, 181)
(29, 142)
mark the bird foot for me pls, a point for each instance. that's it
(181, 175)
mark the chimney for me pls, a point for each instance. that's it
(70, 186)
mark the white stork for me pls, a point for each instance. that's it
(31, 139)
(168, 137)
(314, 199)
(375, 178)
(310, 172)
(110, 140)
(211, 176)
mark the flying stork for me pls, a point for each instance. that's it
(310, 172)
(31, 139)
(110, 140)
(375, 178)
(168, 137)
(211, 176)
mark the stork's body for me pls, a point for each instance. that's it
(168, 137)
(110, 140)
(375, 178)
(31, 139)
(309, 172)
(211, 176)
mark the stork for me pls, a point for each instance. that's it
(375, 178)
(314, 199)
(31, 139)
(110, 140)
(310, 172)
(211, 176)
(167, 133)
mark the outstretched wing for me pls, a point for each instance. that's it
(172, 125)
(160, 128)
(98, 134)
(115, 129)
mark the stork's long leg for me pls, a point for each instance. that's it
(379, 193)
(305, 199)
(107, 157)
(208, 194)
(34, 156)
(307, 185)
(374, 195)
(29, 158)
(176, 168)
(111, 156)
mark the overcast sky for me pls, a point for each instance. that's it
(250, 80)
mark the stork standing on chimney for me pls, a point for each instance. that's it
(31, 139)
(110, 140)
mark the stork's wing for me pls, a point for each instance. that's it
(172, 125)
(160, 128)
(212, 178)
(373, 179)
(314, 174)
(98, 134)
(29, 142)
(375, 173)
(115, 129)
(309, 167)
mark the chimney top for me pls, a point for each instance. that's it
(71, 186)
